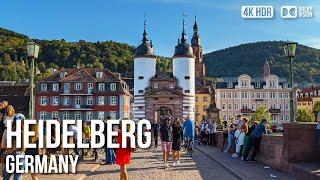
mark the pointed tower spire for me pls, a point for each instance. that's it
(266, 69)
(146, 47)
(145, 34)
(183, 34)
(195, 26)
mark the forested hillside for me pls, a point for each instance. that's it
(249, 59)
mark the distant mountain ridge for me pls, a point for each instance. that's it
(118, 57)
(249, 59)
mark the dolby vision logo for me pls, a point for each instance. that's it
(289, 12)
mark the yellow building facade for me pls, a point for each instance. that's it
(307, 97)
(203, 100)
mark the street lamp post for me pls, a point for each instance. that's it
(290, 52)
(32, 53)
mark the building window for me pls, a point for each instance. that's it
(43, 115)
(236, 106)
(229, 106)
(101, 86)
(113, 100)
(204, 109)
(187, 77)
(43, 100)
(66, 115)
(229, 85)
(101, 115)
(186, 91)
(89, 115)
(140, 91)
(272, 95)
(43, 87)
(55, 101)
(101, 100)
(287, 106)
(55, 115)
(155, 85)
(235, 95)
(90, 100)
(77, 116)
(272, 84)
(252, 95)
(90, 88)
(66, 101)
(140, 77)
(223, 106)
(78, 86)
(258, 95)
(229, 95)
(113, 86)
(244, 95)
(77, 101)
(113, 114)
(264, 95)
(286, 95)
(66, 87)
(55, 87)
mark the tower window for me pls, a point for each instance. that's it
(186, 91)
(187, 77)
(140, 77)
(140, 91)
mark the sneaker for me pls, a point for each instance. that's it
(235, 155)
(174, 164)
(166, 165)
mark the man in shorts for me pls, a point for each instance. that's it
(166, 140)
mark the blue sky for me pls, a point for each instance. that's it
(219, 21)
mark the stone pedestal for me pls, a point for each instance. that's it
(299, 143)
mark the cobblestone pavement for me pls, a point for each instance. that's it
(148, 164)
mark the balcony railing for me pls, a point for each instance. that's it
(78, 107)
(274, 111)
(246, 111)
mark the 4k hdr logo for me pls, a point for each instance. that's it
(267, 12)
(291, 12)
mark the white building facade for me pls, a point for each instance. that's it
(243, 95)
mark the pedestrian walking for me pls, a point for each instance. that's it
(166, 140)
(16, 152)
(123, 155)
(155, 129)
(224, 134)
(177, 136)
(109, 152)
(34, 151)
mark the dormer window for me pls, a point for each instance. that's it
(43, 87)
(99, 75)
(78, 86)
(63, 74)
(229, 84)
